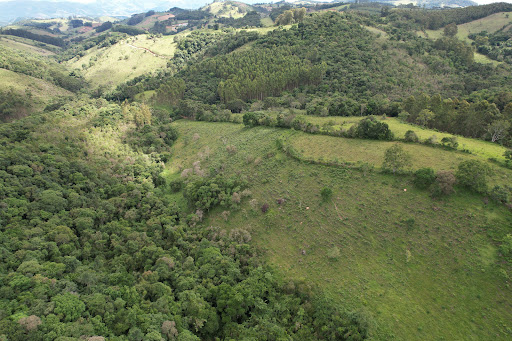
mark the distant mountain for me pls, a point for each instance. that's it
(10, 11)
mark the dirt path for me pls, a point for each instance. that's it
(148, 50)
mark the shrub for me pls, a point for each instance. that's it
(506, 245)
(450, 142)
(370, 128)
(473, 174)
(424, 178)
(445, 180)
(264, 208)
(326, 193)
(500, 194)
(410, 136)
(176, 185)
(431, 140)
(334, 253)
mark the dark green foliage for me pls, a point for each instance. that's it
(424, 178)
(450, 142)
(473, 175)
(12, 105)
(192, 15)
(326, 193)
(204, 193)
(176, 185)
(370, 128)
(135, 19)
(450, 30)
(56, 41)
(410, 136)
(501, 194)
(133, 31)
(103, 27)
(250, 19)
(435, 19)
(153, 139)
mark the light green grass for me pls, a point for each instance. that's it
(22, 46)
(480, 148)
(42, 92)
(433, 278)
(491, 24)
(227, 10)
(123, 61)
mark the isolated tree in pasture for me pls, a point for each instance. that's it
(396, 159)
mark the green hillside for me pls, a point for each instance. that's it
(421, 268)
(258, 172)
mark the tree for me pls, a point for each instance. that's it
(450, 30)
(473, 174)
(396, 159)
(68, 307)
(370, 128)
(424, 117)
(498, 130)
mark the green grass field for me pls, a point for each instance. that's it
(423, 269)
(491, 24)
(41, 91)
(125, 60)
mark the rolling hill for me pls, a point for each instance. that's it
(345, 176)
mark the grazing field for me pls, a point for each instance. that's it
(125, 60)
(39, 92)
(22, 46)
(491, 24)
(422, 269)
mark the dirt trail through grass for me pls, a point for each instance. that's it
(146, 49)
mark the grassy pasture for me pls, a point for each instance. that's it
(423, 269)
(123, 61)
(42, 92)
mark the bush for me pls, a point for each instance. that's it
(370, 128)
(500, 194)
(450, 142)
(326, 193)
(445, 180)
(410, 136)
(176, 185)
(424, 178)
(334, 253)
(473, 174)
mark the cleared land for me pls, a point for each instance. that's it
(125, 60)
(421, 268)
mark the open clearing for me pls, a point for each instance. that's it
(419, 267)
